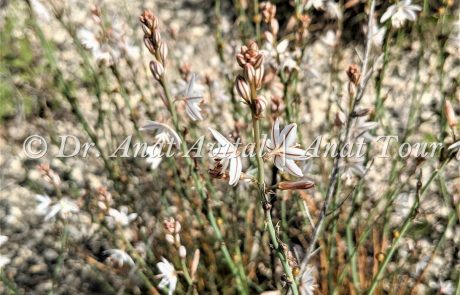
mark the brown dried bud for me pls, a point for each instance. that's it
(243, 88)
(240, 59)
(450, 114)
(354, 73)
(157, 69)
(149, 22)
(250, 54)
(258, 61)
(295, 185)
(360, 112)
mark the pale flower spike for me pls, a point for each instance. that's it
(283, 148)
(228, 153)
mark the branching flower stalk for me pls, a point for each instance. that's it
(357, 85)
(252, 63)
(158, 48)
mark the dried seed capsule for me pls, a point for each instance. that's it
(295, 185)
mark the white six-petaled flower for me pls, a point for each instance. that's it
(400, 12)
(119, 258)
(228, 154)
(64, 207)
(119, 217)
(168, 275)
(283, 148)
(192, 100)
(307, 282)
(165, 132)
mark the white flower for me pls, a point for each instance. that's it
(454, 146)
(168, 275)
(121, 217)
(4, 261)
(40, 10)
(228, 153)
(64, 207)
(119, 258)
(307, 282)
(164, 130)
(400, 12)
(43, 204)
(317, 4)
(284, 148)
(378, 34)
(330, 39)
(154, 155)
(3, 239)
(351, 167)
(360, 128)
(192, 100)
(333, 10)
(446, 287)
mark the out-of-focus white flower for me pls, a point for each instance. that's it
(120, 217)
(43, 204)
(192, 100)
(403, 205)
(351, 167)
(165, 130)
(100, 52)
(64, 207)
(283, 148)
(228, 153)
(154, 155)
(168, 275)
(446, 287)
(329, 39)
(4, 261)
(400, 12)
(333, 10)
(307, 283)
(119, 258)
(317, 4)
(3, 239)
(378, 34)
(360, 129)
(455, 146)
(40, 10)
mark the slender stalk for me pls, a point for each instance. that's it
(277, 245)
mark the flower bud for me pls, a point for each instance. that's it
(182, 251)
(360, 112)
(163, 48)
(252, 45)
(259, 75)
(169, 238)
(354, 74)
(249, 73)
(243, 88)
(274, 26)
(450, 114)
(351, 89)
(261, 105)
(269, 37)
(177, 227)
(240, 59)
(340, 119)
(156, 38)
(148, 43)
(157, 69)
(258, 61)
(295, 185)
(195, 262)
